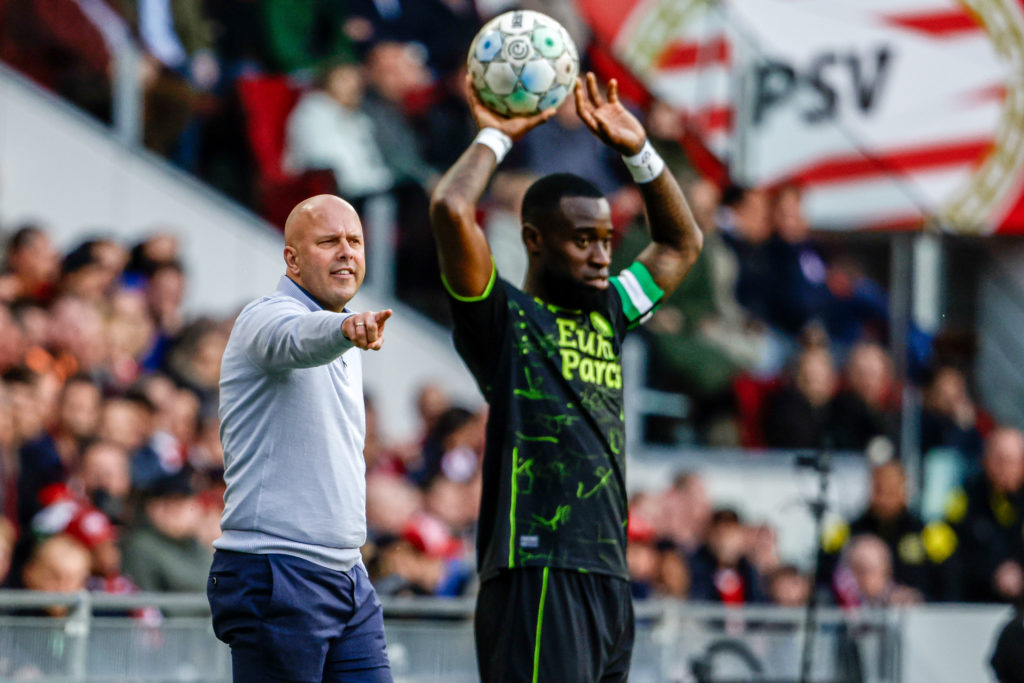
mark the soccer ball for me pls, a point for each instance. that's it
(523, 62)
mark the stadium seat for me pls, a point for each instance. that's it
(267, 101)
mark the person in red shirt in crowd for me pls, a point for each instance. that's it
(721, 570)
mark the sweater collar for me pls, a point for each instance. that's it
(290, 287)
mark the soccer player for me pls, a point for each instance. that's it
(287, 588)
(554, 602)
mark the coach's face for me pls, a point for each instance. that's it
(324, 250)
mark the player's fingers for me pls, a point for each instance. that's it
(382, 317)
(371, 329)
(595, 92)
(581, 98)
(376, 346)
(613, 91)
(583, 108)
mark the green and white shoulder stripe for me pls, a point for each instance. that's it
(639, 293)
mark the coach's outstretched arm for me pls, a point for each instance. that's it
(462, 248)
(676, 239)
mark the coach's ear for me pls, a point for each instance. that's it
(532, 239)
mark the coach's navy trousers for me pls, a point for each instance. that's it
(287, 619)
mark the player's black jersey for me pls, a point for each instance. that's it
(554, 490)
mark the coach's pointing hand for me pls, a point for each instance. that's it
(366, 330)
(607, 118)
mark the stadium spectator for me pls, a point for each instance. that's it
(39, 461)
(194, 361)
(59, 564)
(423, 560)
(177, 38)
(165, 293)
(788, 587)
(802, 415)
(127, 422)
(801, 295)
(146, 257)
(745, 223)
(859, 307)
(432, 401)
(642, 556)
(78, 335)
(985, 520)
(763, 544)
(683, 514)
(441, 29)
(32, 266)
(674, 578)
(395, 73)
(454, 447)
(89, 270)
(914, 552)
(130, 335)
(864, 577)
(700, 336)
(105, 479)
(721, 569)
(79, 416)
(865, 403)
(949, 415)
(329, 129)
(446, 127)
(301, 36)
(390, 503)
(455, 501)
(161, 550)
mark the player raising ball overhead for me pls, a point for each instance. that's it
(554, 601)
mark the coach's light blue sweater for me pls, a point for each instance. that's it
(292, 427)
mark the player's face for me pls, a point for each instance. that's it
(582, 248)
(328, 258)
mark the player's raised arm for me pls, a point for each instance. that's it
(462, 247)
(676, 239)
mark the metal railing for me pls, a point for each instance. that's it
(168, 637)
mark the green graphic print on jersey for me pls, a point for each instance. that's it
(554, 490)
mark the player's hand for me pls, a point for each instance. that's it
(366, 330)
(515, 127)
(607, 118)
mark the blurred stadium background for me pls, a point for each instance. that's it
(856, 167)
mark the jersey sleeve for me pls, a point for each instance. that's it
(479, 325)
(639, 294)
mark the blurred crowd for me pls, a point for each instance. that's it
(111, 468)
(110, 463)
(777, 339)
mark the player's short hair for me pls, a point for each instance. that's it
(544, 196)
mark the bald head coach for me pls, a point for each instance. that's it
(287, 589)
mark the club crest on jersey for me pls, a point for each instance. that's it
(588, 353)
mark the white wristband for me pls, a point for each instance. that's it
(646, 165)
(499, 143)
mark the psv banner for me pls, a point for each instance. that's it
(891, 114)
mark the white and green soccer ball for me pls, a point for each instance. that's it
(523, 62)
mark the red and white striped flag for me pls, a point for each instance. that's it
(890, 113)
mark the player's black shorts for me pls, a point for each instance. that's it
(553, 626)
